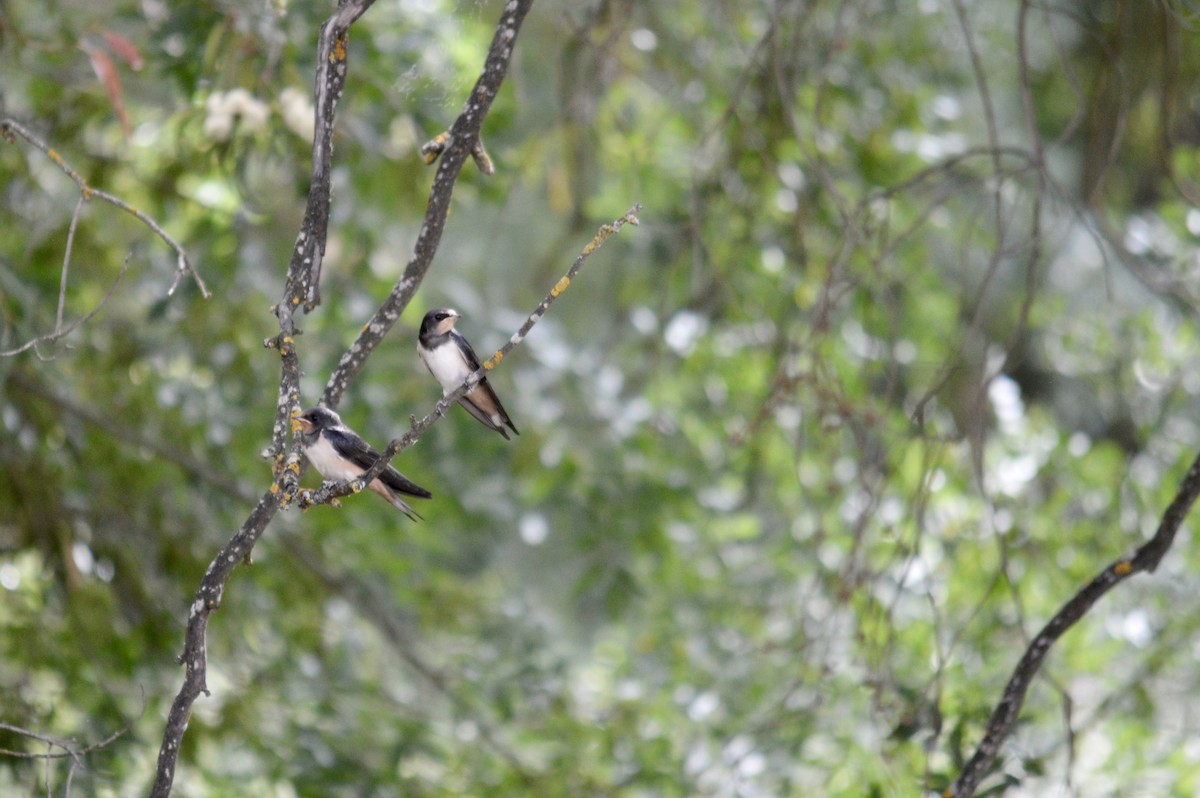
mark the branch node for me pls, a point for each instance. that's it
(482, 159)
(433, 148)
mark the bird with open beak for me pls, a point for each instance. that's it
(339, 453)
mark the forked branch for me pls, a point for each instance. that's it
(10, 129)
(301, 289)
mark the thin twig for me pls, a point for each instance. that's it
(59, 330)
(67, 750)
(70, 246)
(9, 127)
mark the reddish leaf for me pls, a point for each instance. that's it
(106, 70)
(124, 49)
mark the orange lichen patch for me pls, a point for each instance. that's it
(1123, 568)
(431, 149)
(560, 286)
(339, 50)
(600, 237)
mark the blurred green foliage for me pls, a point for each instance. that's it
(887, 373)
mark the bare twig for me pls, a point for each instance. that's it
(1146, 558)
(9, 129)
(70, 245)
(59, 330)
(331, 491)
(67, 750)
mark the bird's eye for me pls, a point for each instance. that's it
(442, 316)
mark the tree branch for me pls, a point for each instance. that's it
(304, 271)
(301, 287)
(1146, 558)
(10, 129)
(461, 141)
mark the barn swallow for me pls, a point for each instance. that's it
(338, 453)
(450, 359)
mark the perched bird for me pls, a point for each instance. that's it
(450, 359)
(339, 453)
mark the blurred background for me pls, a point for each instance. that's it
(903, 352)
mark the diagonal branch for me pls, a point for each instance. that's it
(10, 129)
(333, 490)
(1146, 558)
(461, 141)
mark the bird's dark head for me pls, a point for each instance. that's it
(439, 321)
(314, 420)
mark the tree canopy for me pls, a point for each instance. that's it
(895, 364)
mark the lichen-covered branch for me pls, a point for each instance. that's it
(461, 141)
(302, 280)
(195, 649)
(304, 271)
(304, 268)
(302, 289)
(331, 491)
(1146, 558)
